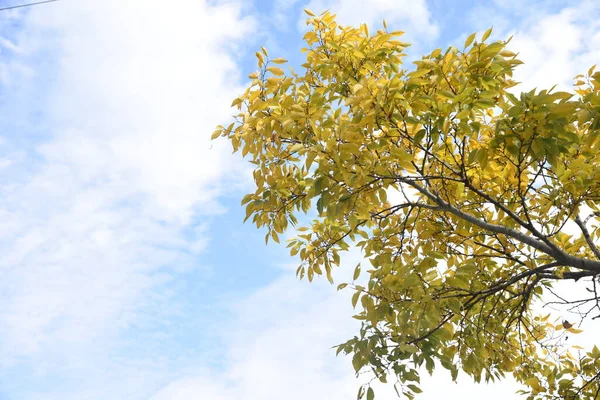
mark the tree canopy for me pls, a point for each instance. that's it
(470, 203)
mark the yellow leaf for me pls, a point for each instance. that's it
(486, 34)
(275, 71)
(417, 170)
(470, 39)
(273, 81)
(296, 147)
(591, 70)
(261, 59)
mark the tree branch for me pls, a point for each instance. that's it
(559, 255)
(586, 235)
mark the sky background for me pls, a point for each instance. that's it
(125, 269)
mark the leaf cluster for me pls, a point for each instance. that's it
(456, 190)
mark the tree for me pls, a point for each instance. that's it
(469, 203)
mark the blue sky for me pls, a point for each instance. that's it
(125, 269)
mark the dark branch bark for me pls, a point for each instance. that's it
(559, 255)
(588, 238)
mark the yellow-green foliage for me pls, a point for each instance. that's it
(456, 191)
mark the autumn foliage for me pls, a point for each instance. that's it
(469, 202)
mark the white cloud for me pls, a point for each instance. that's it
(154, 83)
(128, 93)
(4, 162)
(556, 48)
(125, 96)
(279, 346)
(9, 45)
(554, 44)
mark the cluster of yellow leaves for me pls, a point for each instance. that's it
(465, 155)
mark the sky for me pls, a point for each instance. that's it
(125, 269)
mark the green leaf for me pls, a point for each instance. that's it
(355, 299)
(356, 272)
(419, 136)
(472, 156)
(370, 394)
(415, 388)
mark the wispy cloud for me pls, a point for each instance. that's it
(557, 47)
(107, 180)
(555, 41)
(279, 345)
(113, 166)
